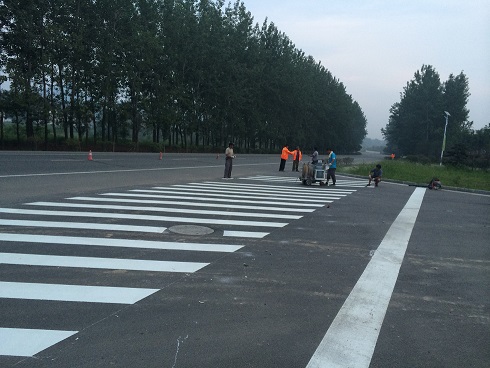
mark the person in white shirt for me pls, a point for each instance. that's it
(229, 156)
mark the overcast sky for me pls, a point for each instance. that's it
(374, 47)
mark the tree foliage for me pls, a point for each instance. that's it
(185, 72)
(417, 122)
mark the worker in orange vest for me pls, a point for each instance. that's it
(284, 157)
(297, 157)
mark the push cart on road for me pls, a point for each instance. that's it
(313, 173)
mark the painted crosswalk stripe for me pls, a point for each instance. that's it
(245, 234)
(157, 194)
(123, 243)
(283, 191)
(82, 225)
(142, 217)
(220, 194)
(167, 209)
(324, 190)
(192, 204)
(99, 263)
(342, 182)
(73, 293)
(274, 178)
(257, 192)
(29, 342)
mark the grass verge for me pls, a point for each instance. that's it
(422, 174)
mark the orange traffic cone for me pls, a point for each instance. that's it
(90, 155)
(161, 155)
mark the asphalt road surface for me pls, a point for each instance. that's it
(132, 261)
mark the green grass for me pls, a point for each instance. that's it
(422, 174)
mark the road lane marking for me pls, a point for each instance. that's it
(26, 343)
(241, 188)
(166, 209)
(192, 204)
(352, 336)
(73, 293)
(244, 191)
(83, 225)
(99, 263)
(123, 243)
(199, 193)
(296, 188)
(245, 234)
(98, 172)
(208, 199)
(143, 217)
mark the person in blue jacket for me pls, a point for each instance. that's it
(332, 166)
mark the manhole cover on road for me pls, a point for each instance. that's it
(191, 230)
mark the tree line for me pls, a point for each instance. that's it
(418, 121)
(180, 72)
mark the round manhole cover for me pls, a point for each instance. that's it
(191, 230)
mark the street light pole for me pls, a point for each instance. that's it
(444, 139)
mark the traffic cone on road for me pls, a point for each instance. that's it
(161, 155)
(90, 155)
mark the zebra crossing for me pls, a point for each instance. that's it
(348, 182)
(238, 209)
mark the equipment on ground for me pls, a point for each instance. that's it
(313, 173)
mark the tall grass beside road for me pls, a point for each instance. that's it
(422, 174)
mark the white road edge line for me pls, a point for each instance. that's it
(352, 336)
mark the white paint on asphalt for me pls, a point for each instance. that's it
(352, 336)
(142, 217)
(353, 183)
(229, 201)
(122, 243)
(83, 225)
(245, 234)
(73, 293)
(26, 343)
(199, 193)
(257, 192)
(99, 263)
(289, 190)
(98, 172)
(166, 209)
(193, 204)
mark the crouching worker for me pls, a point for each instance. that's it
(435, 183)
(375, 175)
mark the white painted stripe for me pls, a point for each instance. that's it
(288, 188)
(26, 343)
(266, 189)
(293, 180)
(245, 234)
(123, 243)
(83, 225)
(352, 336)
(194, 204)
(167, 209)
(258, 192)
(98, 172)
(199, 193)
(142, 217)
(73, 293)
(207, 199)
(99, 263)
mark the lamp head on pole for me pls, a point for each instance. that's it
(447, 114)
